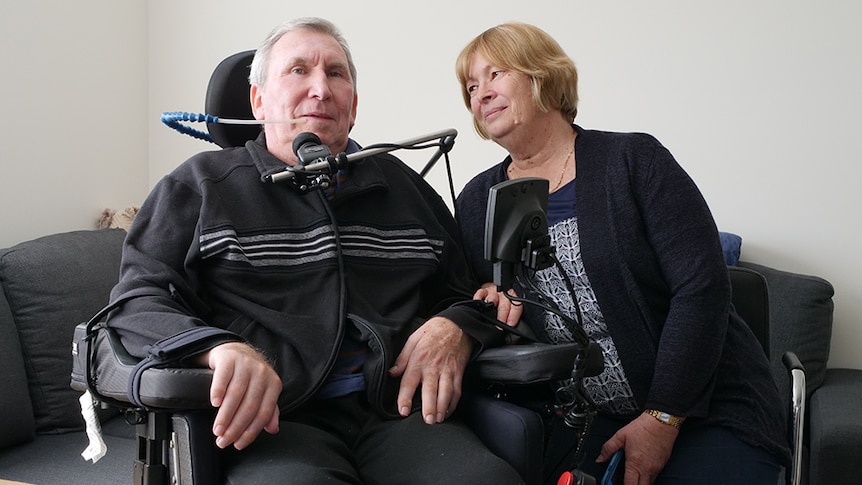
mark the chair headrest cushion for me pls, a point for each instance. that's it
(228, 97)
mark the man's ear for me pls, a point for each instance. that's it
(353, 112)
(256, 102)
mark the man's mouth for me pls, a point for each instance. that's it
(321, 116)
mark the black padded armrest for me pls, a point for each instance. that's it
(174, 388)
(528, 363)
(111, 368)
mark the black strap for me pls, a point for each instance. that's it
(172, 350)
(90, 336)
(483, 307)
(165, 352)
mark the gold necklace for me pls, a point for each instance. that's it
(565, 166)
(511, 169)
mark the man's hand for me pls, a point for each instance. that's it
(245, 388)
(648, 445)
(435, 356)
(506, 311)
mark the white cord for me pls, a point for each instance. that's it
(258, 122)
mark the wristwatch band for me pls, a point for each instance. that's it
(675, 421)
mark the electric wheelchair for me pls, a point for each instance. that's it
(169, 404)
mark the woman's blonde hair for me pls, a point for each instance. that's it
(525, 48)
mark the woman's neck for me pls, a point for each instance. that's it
(542, 146)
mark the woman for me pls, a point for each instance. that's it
(686, 392)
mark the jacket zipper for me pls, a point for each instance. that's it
(378, 373)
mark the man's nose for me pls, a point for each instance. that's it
(319, 86)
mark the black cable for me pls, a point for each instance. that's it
(449, 175)
(342, 279)
(546, 303)
(573, 404)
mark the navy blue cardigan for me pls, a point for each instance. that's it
(652, 253)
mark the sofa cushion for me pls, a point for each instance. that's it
(16, 412)
(800, 316)
(52, 284)
(731, 246)
(56, 459)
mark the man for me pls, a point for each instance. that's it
(339, 309)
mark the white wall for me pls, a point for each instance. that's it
(72, 113)
(759, 101)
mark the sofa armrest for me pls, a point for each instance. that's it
(800, 320)
(835, 424)
(16, 410)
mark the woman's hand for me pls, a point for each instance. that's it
(647, 444)
(507, 312)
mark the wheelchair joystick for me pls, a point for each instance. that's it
(518, 245)
(576, 477)
(578, 412)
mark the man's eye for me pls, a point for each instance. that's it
(297, 70)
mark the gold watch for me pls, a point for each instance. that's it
(675, 421)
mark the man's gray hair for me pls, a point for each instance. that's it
(258, 72)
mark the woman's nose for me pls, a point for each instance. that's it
(484, 92)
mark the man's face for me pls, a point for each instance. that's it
(307, 77)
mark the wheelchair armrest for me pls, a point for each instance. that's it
(110, 365)
(527, 363)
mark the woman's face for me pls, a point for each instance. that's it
(500, 99)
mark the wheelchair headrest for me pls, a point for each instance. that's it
(228, 97)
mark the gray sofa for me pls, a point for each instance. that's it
(49, 285)
(52, 283)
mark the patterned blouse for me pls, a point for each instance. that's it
(609, 390)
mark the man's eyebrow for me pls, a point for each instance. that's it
(337, 65)
(303, 61)
(298, 60)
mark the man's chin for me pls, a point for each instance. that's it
(337, 142)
